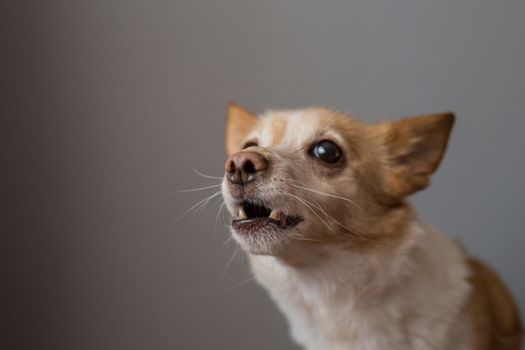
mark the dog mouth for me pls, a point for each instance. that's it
(252, 217)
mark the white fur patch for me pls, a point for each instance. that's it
(409, 301)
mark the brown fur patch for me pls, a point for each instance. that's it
(239, 122)
(415, 147)
(494, 316)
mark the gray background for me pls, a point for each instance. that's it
(109, 105)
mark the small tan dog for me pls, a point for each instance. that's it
(318, 201)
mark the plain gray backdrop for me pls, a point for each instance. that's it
(108, 106)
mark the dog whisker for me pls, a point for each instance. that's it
(202, 203)
(327, 216)
(235, 254)
(219, 211)
(323, 193)
(205, 175)
(201, 208)
(240, 283)
(337, 222)
(227, 240)
(308, 206)
(196, 189)
(218, 207)
(329, 195)
(301, 238)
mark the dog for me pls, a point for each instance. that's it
(319, 203)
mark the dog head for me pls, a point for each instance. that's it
(315, 177)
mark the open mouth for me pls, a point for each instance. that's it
(251, 217)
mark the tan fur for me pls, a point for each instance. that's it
(239, 123)
(384, 163)
(493, 313)
(278, 127)
(416, 146)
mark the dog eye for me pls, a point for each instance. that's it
(250, 144)
(327, 151)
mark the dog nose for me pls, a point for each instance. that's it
(242, 166)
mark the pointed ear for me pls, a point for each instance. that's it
(239, 122)
(415, 148)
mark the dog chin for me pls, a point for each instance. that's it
(263, 241)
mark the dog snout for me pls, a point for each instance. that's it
(241, 167)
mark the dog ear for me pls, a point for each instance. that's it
(415, 147)
(239, 122)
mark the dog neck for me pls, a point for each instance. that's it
(340, 290)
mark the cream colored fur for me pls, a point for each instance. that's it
(409, 300)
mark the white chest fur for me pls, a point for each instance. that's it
(409, 298)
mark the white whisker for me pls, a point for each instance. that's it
(201, 207)
(206, 176)
(328, 195)
(196, 189)
(308, 206)
(219, 211)
(240, 283)
(328, 216)
(203, 202)
(301, 238)
(235, 254)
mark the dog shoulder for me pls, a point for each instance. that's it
(494, 315)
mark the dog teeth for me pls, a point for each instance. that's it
(241, 214)
(275, 215)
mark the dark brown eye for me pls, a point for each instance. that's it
(327, 151)
(250, 144)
